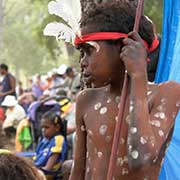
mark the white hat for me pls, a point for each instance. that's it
(62, 69)
(9, 101)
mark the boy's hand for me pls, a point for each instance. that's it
(134, 55)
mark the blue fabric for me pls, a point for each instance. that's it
(45, 149)
(169, 69)
(169, 34)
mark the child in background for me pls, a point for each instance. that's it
(52, 147)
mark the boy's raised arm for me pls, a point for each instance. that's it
(148, 128)
(78, 169)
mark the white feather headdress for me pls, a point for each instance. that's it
(70, 12)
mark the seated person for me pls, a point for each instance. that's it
(14, 114)
(52, 147)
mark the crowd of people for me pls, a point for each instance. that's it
(17, 106)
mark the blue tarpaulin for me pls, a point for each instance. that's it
(169, 69)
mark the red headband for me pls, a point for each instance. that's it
(111, 36)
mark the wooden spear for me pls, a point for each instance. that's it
(124, 93)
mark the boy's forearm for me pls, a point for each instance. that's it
(139, 126)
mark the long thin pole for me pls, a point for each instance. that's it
(119, 123)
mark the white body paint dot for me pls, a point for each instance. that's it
(133, 130)
(135, 154)
(83, 128)
(109, 100)
(122, 141)
(120, 161)
(100, 154)
(155, 123)
(103, 110)
(125, 171)
(97, 106)
(162, 115)
(161, 133)
(178, 104)
(131, 108)
(143, 140)
(103, 129)
(117, 99)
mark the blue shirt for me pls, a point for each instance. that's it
(47, 147)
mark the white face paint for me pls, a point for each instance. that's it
(94, 44)
(97, 106)
(103, 110)
(103, 129)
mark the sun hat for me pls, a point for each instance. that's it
(9, 101)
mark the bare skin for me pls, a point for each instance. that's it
(148, 118)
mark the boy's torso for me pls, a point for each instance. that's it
(100, 118)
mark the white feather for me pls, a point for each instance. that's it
(68, 10)
(60, 31)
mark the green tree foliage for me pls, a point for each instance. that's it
(22, 48)
(154, 9)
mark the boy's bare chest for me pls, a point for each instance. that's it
(100, 120)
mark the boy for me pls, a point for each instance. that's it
(149, 113)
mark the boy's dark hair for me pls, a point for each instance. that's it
(4, 66)
(13, 167)
(55, 119)
(117, 17)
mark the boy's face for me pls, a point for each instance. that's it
(48, 129)
(100, 64)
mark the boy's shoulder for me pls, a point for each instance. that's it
(169, 90)
(91, 93)
(168, 86)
